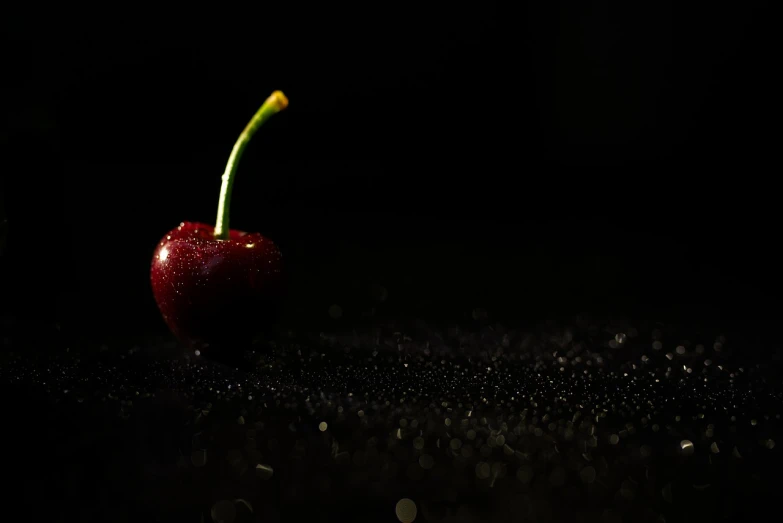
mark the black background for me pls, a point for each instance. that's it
(599, 157)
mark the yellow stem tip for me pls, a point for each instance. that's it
(279, 100)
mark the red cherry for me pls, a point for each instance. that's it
(216, 292)
(217, 288)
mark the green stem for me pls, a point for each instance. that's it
(276, 102)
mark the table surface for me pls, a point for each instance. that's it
(586, 421)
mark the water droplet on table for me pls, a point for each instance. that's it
(264, 472)
(406, 510)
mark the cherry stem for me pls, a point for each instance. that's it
(276, 102)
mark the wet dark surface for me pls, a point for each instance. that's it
(588, 420)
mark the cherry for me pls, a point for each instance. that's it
(218, 288)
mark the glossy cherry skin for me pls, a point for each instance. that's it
(216, 295)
